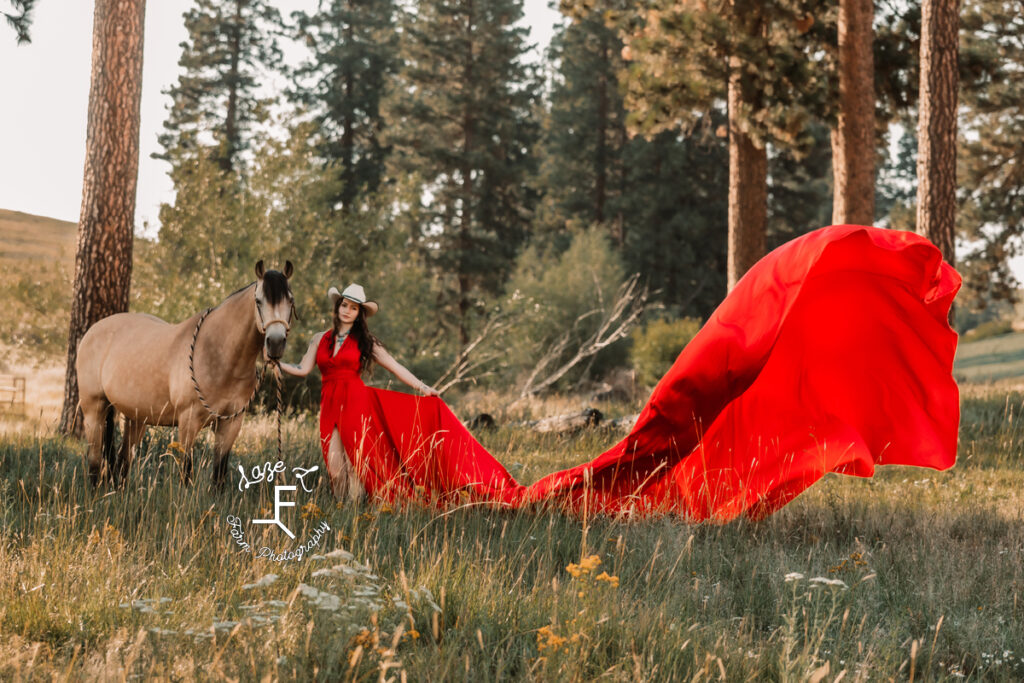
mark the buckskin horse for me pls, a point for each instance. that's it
(198, 372)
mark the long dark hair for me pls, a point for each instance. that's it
(360, 332)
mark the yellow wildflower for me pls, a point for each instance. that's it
(586, 565)
(612, 580)
(548, 639)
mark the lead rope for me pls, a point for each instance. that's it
(199, 393)
(280, 404)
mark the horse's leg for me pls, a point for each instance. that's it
(224, 435)
(344, 480)
(98, 424)
(133, 431)
(189, 425)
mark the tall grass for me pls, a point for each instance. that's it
(924, 570)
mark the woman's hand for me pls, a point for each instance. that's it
(428, 390)
(305, 366)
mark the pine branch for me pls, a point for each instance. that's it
(20, 20)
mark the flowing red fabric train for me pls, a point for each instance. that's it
(833, 354)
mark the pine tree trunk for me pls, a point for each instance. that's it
(936, 128)
(748, 187)
(348, 160)
(227, 155)
(853, 140)
(103, 263)
(601, 153)
(465, 225)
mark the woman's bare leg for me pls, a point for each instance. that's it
(344, 481)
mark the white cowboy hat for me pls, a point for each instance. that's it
(355, 293)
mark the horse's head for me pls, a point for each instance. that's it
(275, 308)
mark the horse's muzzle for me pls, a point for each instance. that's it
(275, 344)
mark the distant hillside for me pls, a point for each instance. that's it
(25, 238)
(37, 256)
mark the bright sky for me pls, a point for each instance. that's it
(44, 97)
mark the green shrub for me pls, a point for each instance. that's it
(38, 310)
(656, 345)
(559, 300)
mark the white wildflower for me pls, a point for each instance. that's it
(261, 583)
(340, 554)
(319, 598)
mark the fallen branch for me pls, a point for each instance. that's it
(625, 312)
(465, 366)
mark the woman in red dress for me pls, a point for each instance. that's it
(342, 354)
(832, 354)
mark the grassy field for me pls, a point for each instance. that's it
(913, 575)
(998, 358)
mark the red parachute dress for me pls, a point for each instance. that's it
(832, 354)
(402, 445)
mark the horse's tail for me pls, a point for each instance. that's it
(108, 438)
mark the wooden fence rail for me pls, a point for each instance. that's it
(12, 394)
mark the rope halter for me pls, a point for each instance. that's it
(262, 324)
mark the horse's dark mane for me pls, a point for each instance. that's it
(239, 290)
(275, 287)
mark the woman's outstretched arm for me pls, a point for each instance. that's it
(385, 360)
(305, 365)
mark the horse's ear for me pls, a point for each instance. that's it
(259, 269)
(287, 269)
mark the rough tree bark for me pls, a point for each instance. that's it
(853, 140)
(748, 184)
(936, 127)
(103, 262)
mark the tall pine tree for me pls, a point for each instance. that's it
(753, 57)
(103, 261)
(936, 128)
(462, 123)
(354, 54)
(991, 147)
(20, 19)
(661, 201)
(230, 44)
(584, 132)
(853, 139)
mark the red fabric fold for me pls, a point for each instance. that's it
(832, 354)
